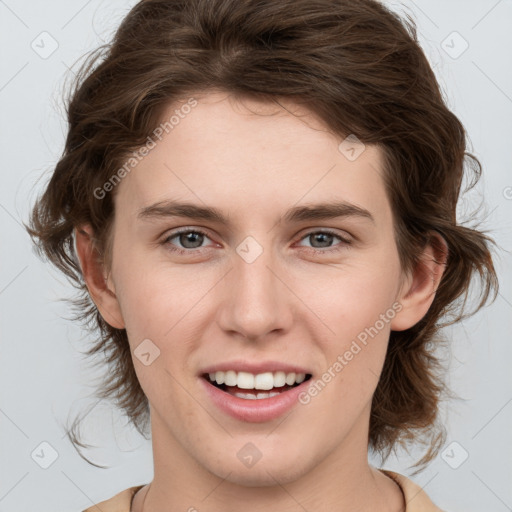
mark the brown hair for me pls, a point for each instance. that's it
(359, 67)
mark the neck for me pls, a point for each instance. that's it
(342, 480)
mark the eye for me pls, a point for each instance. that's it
(323, 240)
(190, 240)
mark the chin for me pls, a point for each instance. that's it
(277, 468)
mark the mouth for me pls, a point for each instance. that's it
(261, 386)
(254, 392)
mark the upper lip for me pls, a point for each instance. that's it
(255, 368)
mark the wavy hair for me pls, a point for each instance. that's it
(360, 68)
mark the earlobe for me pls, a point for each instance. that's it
(419, 289)
(94, 276)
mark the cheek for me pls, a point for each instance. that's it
(346, 384)
(161, 316)
(153, 301)
(355, 300)
(357, 309)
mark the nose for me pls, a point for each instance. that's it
(257, 299)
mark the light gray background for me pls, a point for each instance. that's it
(43, 377)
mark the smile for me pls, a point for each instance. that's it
(254, 393)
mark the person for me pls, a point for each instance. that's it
(257, 203)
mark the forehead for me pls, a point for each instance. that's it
(251, 155)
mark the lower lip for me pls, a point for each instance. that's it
(254, 411)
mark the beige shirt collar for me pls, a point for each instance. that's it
(415, 497)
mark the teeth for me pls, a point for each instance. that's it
(245, 380)
(279, 379)
(290, 379)
(264, 381)
(230, 378)
(300, 377)
(257, 396)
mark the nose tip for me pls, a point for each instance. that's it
(256, 300)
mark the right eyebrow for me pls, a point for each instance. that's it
(181, 209)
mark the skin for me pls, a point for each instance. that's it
(290, 304)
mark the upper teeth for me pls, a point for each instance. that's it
(245, 380)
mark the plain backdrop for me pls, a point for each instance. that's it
(43, 377)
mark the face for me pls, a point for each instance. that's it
(291, 288)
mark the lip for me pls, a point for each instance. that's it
(254, 411)
(255, 368)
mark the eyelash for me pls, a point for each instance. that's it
(342, 246)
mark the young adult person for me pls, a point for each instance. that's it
(258, 201)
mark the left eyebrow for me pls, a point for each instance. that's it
(324, 211)
(321, 211)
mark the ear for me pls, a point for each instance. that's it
(95, 277)
(419, 289)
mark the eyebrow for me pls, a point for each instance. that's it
(321, 211)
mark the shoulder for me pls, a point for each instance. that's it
(415, 497)
(121, 502)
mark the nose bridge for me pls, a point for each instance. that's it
(256, 298)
